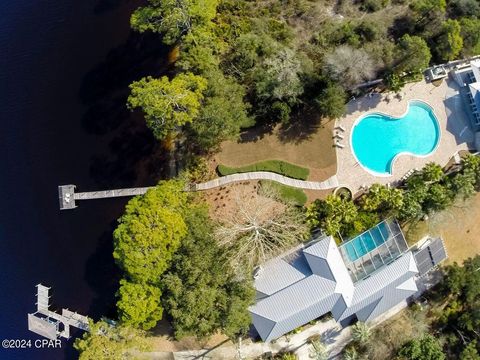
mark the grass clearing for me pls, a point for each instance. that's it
(312, 149)
(276, 166)
(286, 193)
(459, 227)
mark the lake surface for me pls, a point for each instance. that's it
(65, 67)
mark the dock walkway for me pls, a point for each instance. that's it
(68, 197)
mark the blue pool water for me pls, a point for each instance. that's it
(378, 138)
(366, 242)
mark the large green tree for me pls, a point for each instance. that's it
(460, 318)
(470, 31)
(168, 104)
(150, 232)
(201, 293)
(450, 42)
(432, 173)
(413, 54)
(107, 342)
(471, 166)
(426, 8)
(139, 304)
(332, 101)
(223, 114)
(470, 352)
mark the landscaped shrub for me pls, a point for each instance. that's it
(286, 193)
(276, 166)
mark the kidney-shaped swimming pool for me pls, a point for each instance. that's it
(377, 139)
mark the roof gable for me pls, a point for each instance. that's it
(263, 325)
(279, 273)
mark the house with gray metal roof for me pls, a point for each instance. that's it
(358, 280)
(468, 77)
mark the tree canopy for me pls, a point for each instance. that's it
(139, 304)
(278, 77)
(425, 348)
(413, 54)
(223, 113)
(201, 293)
(332, 101)
(106, 342)
(150, 232)
(339, 216)
(470, 31)
(172, 18)
(168, 104)
(349, 66)
(386, 201)
(450, 41)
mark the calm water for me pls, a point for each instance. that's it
(64, 70)
(377, 139)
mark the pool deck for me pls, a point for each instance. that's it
(453, 122)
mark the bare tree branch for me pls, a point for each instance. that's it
(260, 227)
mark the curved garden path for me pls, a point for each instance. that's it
(330, 183)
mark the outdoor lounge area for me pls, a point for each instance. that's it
(373, 249)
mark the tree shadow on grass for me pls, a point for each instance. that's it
(256, 132)
(301, 127)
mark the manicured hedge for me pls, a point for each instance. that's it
(276, 166)
(287, 193)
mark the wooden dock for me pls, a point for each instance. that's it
(68, 197)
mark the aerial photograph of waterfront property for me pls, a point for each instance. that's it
(240, 179)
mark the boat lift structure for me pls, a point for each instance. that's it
(50, 324)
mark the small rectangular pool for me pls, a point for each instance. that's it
(366, 242)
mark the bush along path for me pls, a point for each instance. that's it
(275, 166)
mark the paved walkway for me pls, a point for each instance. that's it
(330, 183)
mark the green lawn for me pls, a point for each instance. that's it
(286, 193)
(276, 166)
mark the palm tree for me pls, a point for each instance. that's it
(350, 354)
(432, 173)
(361, 333)
(318, 351)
